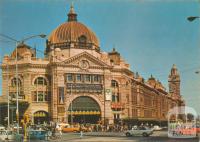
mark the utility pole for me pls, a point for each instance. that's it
(8, 96)
(71, 105)
(17, 95)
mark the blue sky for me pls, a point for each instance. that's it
(151, 35)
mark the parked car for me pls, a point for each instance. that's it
(37, 134)
(2, 127)
(7, 135)
(157, 128)
(14, 126)
(144, 131)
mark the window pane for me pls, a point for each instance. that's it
(40, 81)
(78, 77)
(15, 81)
(113, 98)
(117, 98)
(87, 77)
(114, 83)
(40, 97)
(69, 77)
(96, 78)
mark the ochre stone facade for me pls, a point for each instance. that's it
(100, 85)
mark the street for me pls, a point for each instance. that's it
(159, 136)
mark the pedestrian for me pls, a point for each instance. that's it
(60, 130)
(81, 132)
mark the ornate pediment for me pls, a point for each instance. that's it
(84, 61)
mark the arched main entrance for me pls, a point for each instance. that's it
(84, 110)
(40, 117)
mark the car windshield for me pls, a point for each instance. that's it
(142, 128)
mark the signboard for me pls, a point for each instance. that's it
(84, 87)
(108, 93)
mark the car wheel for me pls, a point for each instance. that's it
(145, 134)
(128, 134)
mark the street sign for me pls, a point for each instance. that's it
(108, 93)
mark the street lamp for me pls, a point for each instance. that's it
(192, 18)
(17, 43)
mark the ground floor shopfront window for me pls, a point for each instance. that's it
(41, 117)
(84, 110)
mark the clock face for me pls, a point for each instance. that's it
(83, 64)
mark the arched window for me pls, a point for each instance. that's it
(40, 81)
(82, 40)
(16, 81)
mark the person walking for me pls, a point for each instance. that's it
(60, 131)
(81, 131)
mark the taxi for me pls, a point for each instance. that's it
(70, 128)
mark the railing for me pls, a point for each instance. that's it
(76, 45)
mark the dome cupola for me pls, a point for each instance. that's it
(72, 32)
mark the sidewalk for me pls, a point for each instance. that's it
(105, 134)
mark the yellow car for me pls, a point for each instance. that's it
(69, 128)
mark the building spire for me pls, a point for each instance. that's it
(72, 16)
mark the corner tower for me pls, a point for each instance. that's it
(174, 82)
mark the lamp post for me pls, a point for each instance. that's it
(17, 42)
(71, 105)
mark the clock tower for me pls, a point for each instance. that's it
(174, 82)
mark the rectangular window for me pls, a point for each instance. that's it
(96, 78)
(87, 78)
(113, 98)
(40, 97)
(61, 95)
(78, 78)
(69, 77)
(117, 98)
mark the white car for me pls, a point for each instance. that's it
(144, 131)
(6, 135)
(157, 128)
